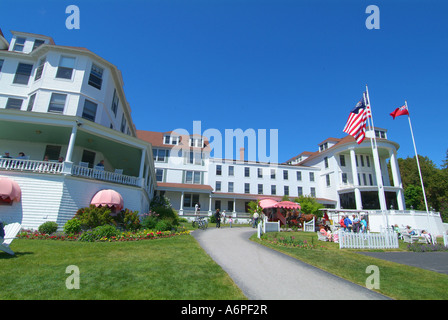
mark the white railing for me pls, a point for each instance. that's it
(58, 167)
(31, 165)
(383, 240)
(445, 240)
(105, 175)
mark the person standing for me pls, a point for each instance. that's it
(218, 218)
(255, 219)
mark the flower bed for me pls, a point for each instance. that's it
(288, 241)
(123, 236)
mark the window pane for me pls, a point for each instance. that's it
(67, 62)
(40, 69)
(23, 73)
(31, 102)
(19, 44)
(57, 103)
(89, 111)
(197, 177)
(38, 43)
(13, 103)
(1, 65)
(189, 177)
(96, 77)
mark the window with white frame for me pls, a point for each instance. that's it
(65, 68)
(299, 191)
(14, 103)
(313, 192)
(273, 189)
(23, 73)
(115, 102)
(231, 170)
(193, 177)
(19, 44)
(40, 69)
(327, 177)
(96, 76)
(311, 176)
(247, 188)
(260, 188)
(89, 111)
(299, 175)
(285, 174)
(57, 103)
(31, 102)
(38, 43)
(160, 155)
(218, 186)
(230, 187)
(286, 190)
(123, 124)
(195, 158)
(160, 173)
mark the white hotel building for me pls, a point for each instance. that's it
(68, 102)
(60, 101)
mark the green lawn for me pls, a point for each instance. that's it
(164, 269)
(396, 281)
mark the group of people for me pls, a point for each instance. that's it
(219, 216)
(326, 232)
(408, 230)
(20, 156)
(358, 224)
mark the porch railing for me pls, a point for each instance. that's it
(31, 165)
(104, 175)
(58, 168)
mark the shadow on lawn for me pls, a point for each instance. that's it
(4, 255)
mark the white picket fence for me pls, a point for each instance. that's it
(309, 226)
(383, 240)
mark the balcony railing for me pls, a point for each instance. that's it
(104, 175)
(59, 168)
(31, 165)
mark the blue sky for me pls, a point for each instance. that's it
(296, 66)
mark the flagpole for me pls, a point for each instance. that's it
(376, 160)
(418, 163)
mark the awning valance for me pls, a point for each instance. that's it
(108, 197)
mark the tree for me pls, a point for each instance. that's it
(413, 197)
(309, 205)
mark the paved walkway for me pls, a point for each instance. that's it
(265, 274)
(434, 261)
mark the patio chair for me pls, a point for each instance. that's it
(11, 230)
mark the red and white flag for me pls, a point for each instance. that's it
(403, 110)
(356, 123)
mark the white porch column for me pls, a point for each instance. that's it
(397, 179)
(379, 180)
(142, 168)
(210, 205)
(71, 143)
(234, 207)
(358, 199)
(181, 209)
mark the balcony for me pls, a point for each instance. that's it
(51, 167)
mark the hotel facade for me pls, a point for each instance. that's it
(66, 110)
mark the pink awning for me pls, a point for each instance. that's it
(288, 205)
(267, 203)
(108, 197)
(10, 190)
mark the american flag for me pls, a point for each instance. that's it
(356, 123)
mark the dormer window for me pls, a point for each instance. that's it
(380, 134)
(38, 43)
(196, 142)
(323, 146)
(19, 45)
(172, 140)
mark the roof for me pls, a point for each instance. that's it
(34, 35)
(156, 139)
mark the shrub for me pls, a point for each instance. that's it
(127, 219)
(106, 231)
(48, 227)
(72, 226)
(149, 221)
(166, 213)
(164, 225)
(92, 217)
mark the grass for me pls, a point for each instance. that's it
(396, 281)
(164, 269)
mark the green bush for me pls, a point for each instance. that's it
(72, 226)
(106, 231)
(149, 221)
(92, 217)
(128, 220)
(164, 212)
(164, 225)
(48, 227)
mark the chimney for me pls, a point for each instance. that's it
(242, 154)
